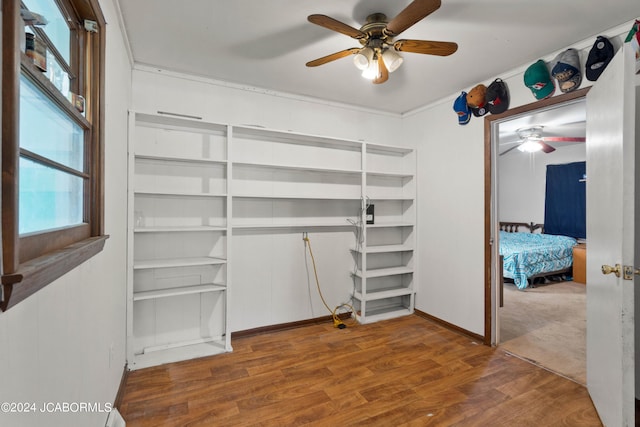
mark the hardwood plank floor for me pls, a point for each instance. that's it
(401, 372)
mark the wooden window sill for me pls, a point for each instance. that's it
(37, 273)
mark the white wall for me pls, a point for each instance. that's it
(156, 90)
(451, 198)
(66, 343)
(450, 194)
(272, 276)
(522, 179)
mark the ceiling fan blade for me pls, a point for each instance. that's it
(411, 14)
(425, 46)
(384, 72)
(546, 147)
(335, 25)
(564, 139)
(333, 57)
(509, 149)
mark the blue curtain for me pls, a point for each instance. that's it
(565, 200)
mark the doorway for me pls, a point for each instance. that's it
(535, 322)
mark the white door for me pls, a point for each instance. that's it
(611, 239)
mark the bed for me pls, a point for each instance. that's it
(527, 255)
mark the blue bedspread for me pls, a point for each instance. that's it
(528, 254)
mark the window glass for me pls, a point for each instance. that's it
(57, 75)
(56, 29)
(49, 198)
(48, 131)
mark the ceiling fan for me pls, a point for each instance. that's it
(530, 140)
(378, 55)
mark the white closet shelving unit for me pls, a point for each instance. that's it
(385, 277)
(179, 239)
(191, 183)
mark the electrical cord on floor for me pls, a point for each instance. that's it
(337, 322)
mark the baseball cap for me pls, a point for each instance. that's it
(599, 57)
(462, 109)
(497, 97)
(476, 100)
(567, 70)
(538, 79)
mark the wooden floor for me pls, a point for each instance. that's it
(405, 371)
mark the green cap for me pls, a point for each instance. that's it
(538, 79)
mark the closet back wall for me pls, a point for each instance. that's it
(272, 276)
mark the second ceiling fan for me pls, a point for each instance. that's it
(531, 139)
(378, 55)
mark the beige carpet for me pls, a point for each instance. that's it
(547, 325)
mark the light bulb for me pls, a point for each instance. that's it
(372, 71)
(530, 146)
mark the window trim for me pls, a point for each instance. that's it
(30, 262)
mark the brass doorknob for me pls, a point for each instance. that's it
(607, 269)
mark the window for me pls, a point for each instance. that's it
(52, 166)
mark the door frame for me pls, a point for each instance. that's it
(490, 264)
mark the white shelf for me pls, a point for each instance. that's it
(180, 159)
(389, 183)
(384, 249)
(180, 351)
(295, 197)
(390, 174)
(390, 225)
(169, 122)
(178, 229)
(384, 314)
(178, 175)
(384, 272)
(176, 194)
(387, 149)
(382, 294)
(177, 262)
(294, 138)
(401, 198)
(184, 290)
(292, 225)
(298, 168)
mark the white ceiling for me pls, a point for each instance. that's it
(265, 44)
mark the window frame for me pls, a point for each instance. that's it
(32, 261)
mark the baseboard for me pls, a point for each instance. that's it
(115, 419)
(289, 325)
(343, 316)
(452, 327)
(123, 383)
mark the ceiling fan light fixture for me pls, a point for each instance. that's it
(530, 146)
(363, 59)
(392, 59)
(372, 71)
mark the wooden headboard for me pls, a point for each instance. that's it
(513, 227)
